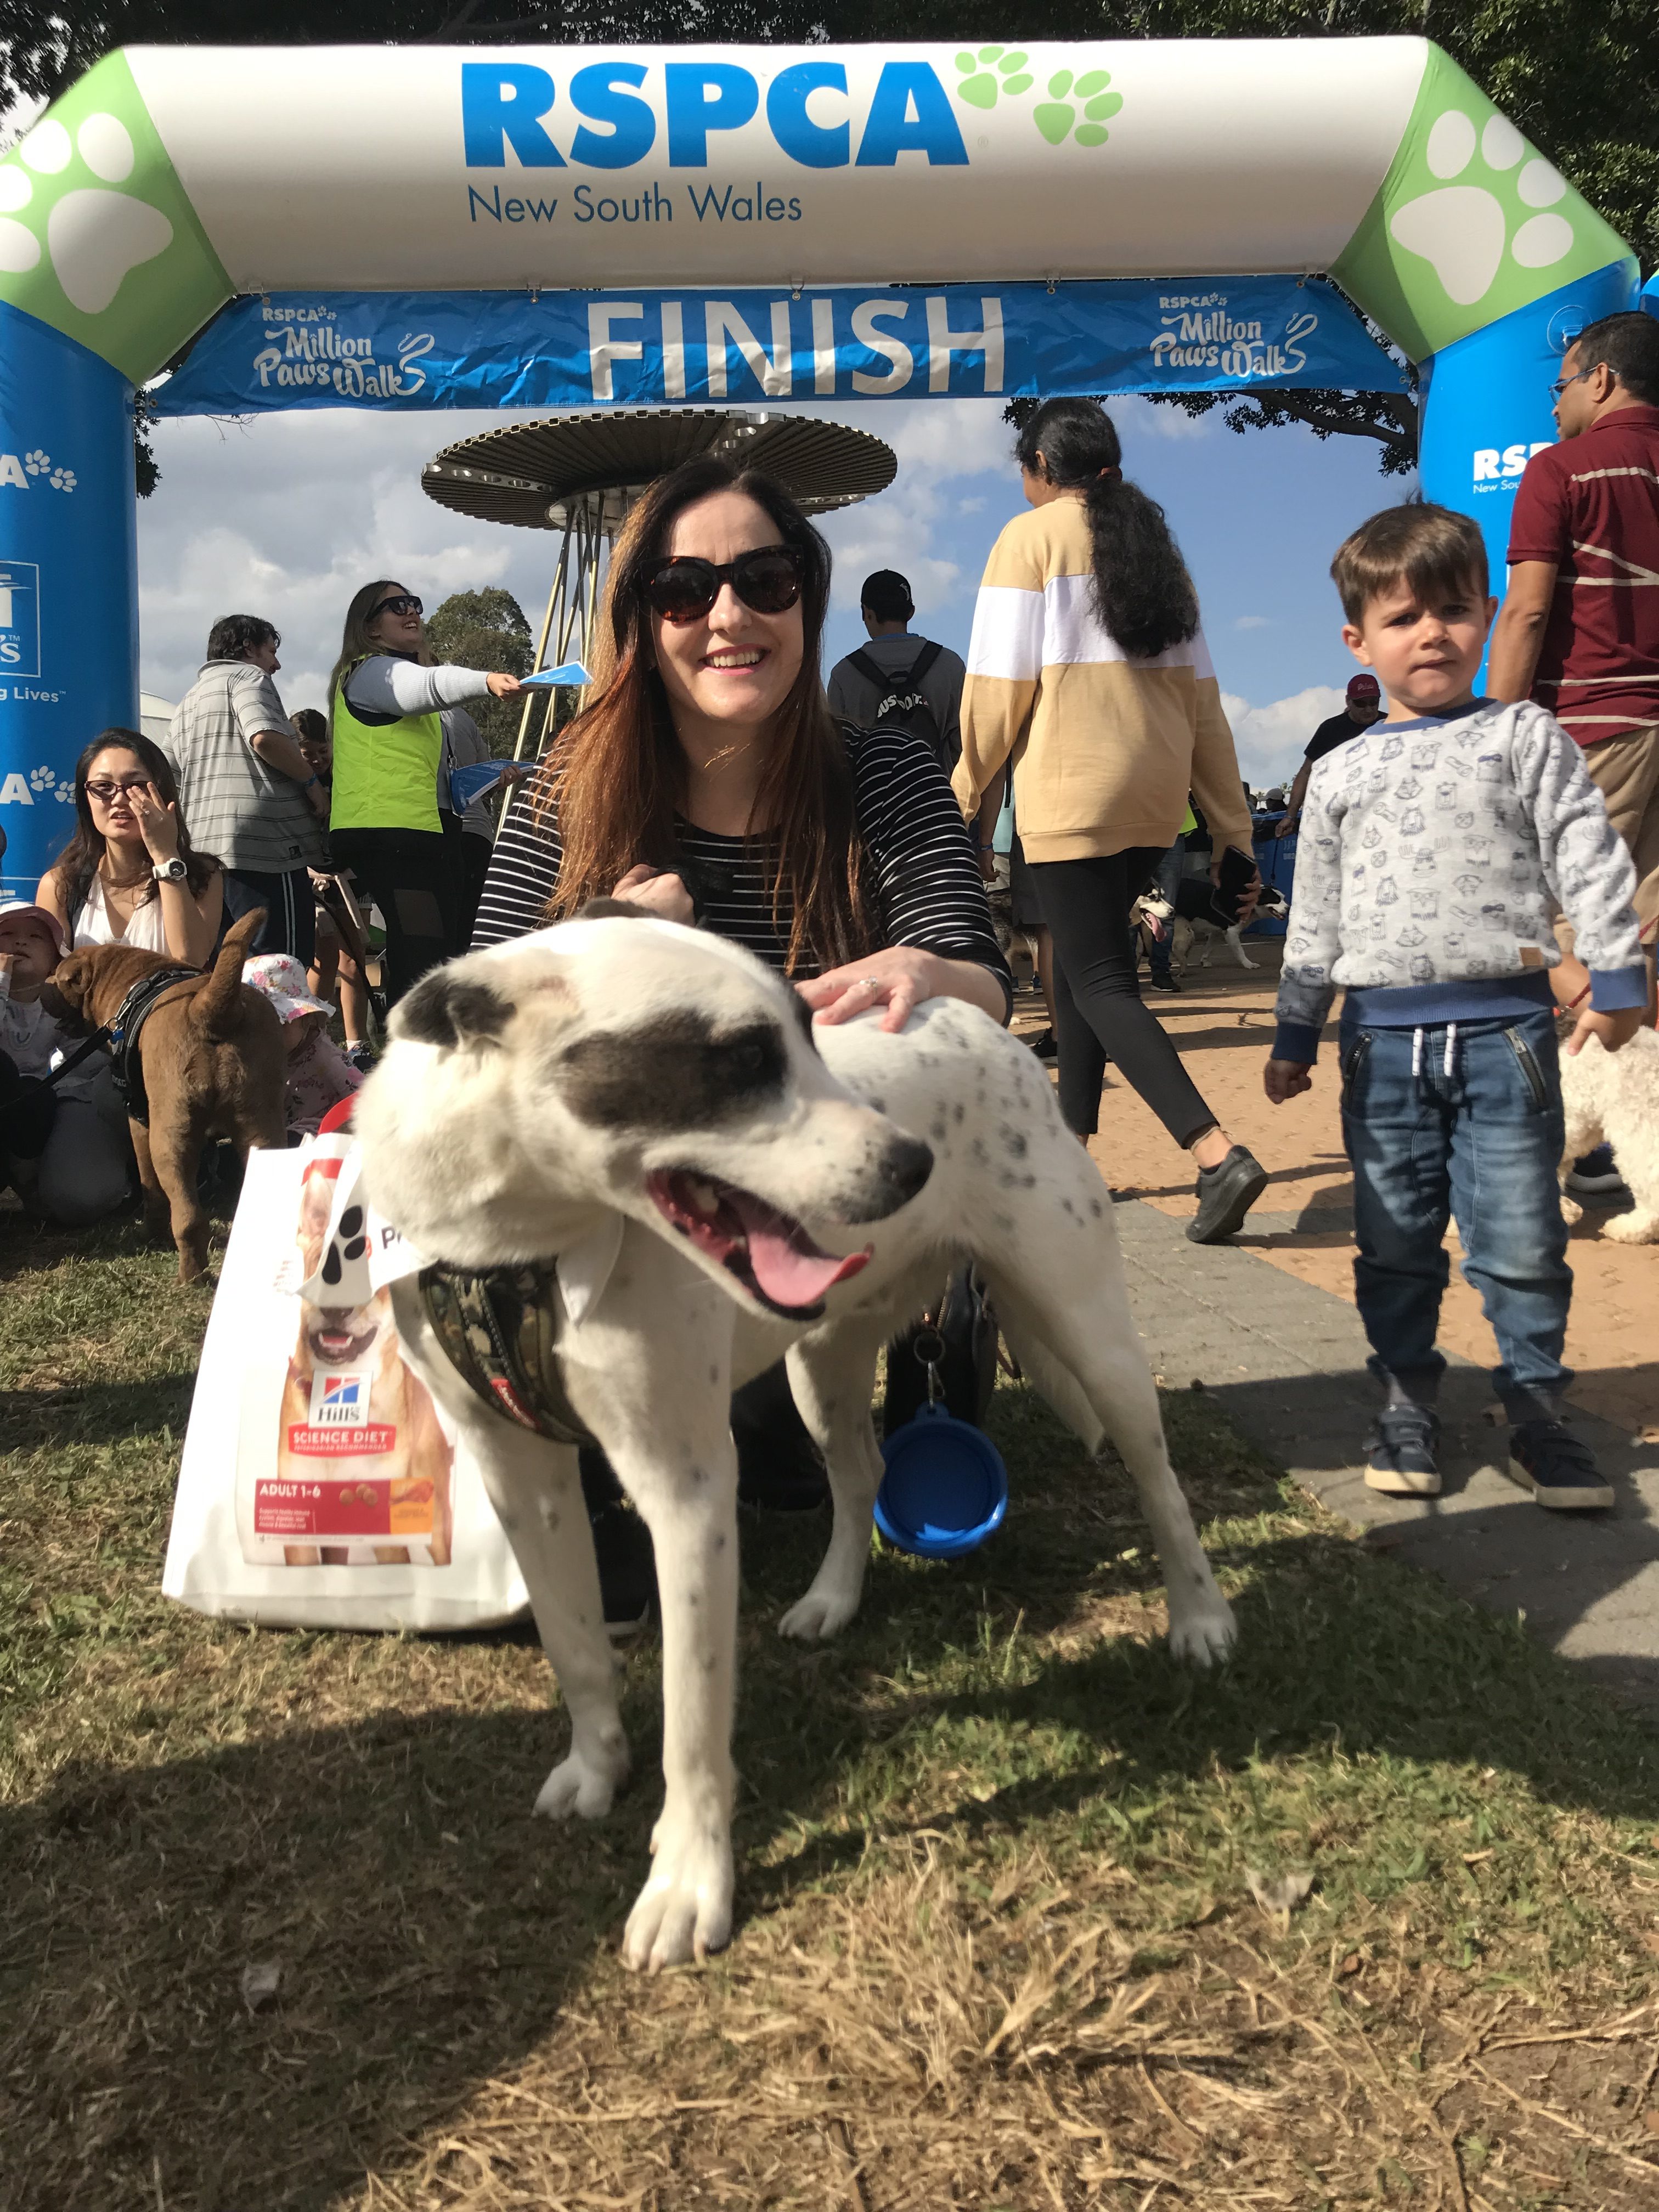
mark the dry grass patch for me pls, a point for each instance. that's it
(996, 1945)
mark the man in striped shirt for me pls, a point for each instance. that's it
(247, 793)
(1579, 629)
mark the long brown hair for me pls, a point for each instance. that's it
(615, 776)
(357, 644)
(78, 863)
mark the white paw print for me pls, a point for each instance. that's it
(1462, 229)
(42, 778)
(37, 461)
(62, 480)
(65, 794)
(93, 236)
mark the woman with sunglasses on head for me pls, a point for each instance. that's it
(383, 823)
(708, 780)
(129, 875)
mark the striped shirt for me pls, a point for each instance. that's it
(248, 815)
(926, 889)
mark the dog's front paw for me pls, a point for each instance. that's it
(1205, 1632)
(1636, 1228)
(1571, 1213)
(684, 1911)
(824, 1611)
(584, 1785)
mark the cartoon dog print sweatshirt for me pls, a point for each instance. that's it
(1432, 855)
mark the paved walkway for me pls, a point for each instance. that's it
(1268, 1324)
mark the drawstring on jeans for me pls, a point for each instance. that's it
(1451, 1047)
(1448, 1063)
(1417, 1055)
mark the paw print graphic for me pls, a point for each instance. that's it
(978, 87)
(1492, 199)
(92, 235)
(62, 480)
(36, 462)
(64, 794)
(353, 1247)
(41, 779)
(1056, 115)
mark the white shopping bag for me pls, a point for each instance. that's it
(320, 1486)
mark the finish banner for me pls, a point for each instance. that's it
(586, 350)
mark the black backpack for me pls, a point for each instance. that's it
(903, 707)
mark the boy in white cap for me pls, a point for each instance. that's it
(318, 1074)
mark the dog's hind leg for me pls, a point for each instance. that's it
(831, 1378)
(1065, 1311)
(175, 1151)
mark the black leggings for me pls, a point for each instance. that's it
(406, 873)
(1098, 1013)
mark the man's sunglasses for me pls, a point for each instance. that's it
(767, 578)
(1555, 390)
(402, 603)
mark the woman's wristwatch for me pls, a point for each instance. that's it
(170, 872)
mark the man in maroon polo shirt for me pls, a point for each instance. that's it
(1579, 629)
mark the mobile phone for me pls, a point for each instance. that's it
(1237, 873)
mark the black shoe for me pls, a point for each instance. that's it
(779, 1474)
(1401, 1453)
(1225, 1195)
(1042, 1045)
(1559, 1470)
(627, 1568)
(1160, 979)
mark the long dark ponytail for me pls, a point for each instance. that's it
(1142, 591)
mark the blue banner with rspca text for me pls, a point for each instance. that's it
(586, 350)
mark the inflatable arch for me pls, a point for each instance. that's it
(563, 227)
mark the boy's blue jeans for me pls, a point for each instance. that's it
(1462, 1121)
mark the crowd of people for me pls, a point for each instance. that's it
(1464, 862)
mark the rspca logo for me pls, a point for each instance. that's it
(1498, 468)
(24, 472)
(339, 1401)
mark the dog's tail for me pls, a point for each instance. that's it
(213, 1009)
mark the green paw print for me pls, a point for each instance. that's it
(980, 88)
(1055, 116)
(1484, 179)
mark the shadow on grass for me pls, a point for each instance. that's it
(429, 1932)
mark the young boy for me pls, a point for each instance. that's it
(1434, 848)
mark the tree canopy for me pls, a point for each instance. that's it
(485, 630)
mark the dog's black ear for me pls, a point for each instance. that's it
(449, 1010)
(612, 910)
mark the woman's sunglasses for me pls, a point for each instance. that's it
(767, 580)
(109, 786)
(402, 603)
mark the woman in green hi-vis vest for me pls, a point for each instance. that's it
(383, 823)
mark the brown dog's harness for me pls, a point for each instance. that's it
(500, 1329)
(126, 1068)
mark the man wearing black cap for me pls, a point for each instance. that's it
(898, 679)
(1364, 707)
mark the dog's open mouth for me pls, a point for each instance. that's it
(333, 1340)
(769, 1252)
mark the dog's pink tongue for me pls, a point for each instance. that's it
(786, 1264)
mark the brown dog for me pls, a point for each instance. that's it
(213, 1065)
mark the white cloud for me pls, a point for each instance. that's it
(1271, 740)
(1252, 621)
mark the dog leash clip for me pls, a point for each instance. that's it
(928, 1345)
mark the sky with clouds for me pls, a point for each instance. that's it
(286, 514)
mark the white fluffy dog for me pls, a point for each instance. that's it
(1612, 1099)
(724, 1185)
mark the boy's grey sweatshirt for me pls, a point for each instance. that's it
(1428, 854)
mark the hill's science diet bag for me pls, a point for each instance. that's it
(321, 1486)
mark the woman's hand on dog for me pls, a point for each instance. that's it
(158, 825)
(1285, 1079)
(663, 894)
(899, 978)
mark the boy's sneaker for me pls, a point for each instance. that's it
(1559, 1470)
(1225, 1195)
(1399, 1453)
(1596, 1175)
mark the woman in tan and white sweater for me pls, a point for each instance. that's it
(1089, 674)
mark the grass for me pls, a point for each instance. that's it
(995, 1946)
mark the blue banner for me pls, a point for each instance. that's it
(586, 350)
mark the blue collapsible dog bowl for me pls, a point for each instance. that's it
(945, 1489)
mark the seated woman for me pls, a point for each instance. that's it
(128, 876)
(708, 781)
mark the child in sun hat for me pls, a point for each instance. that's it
(318, 1074)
